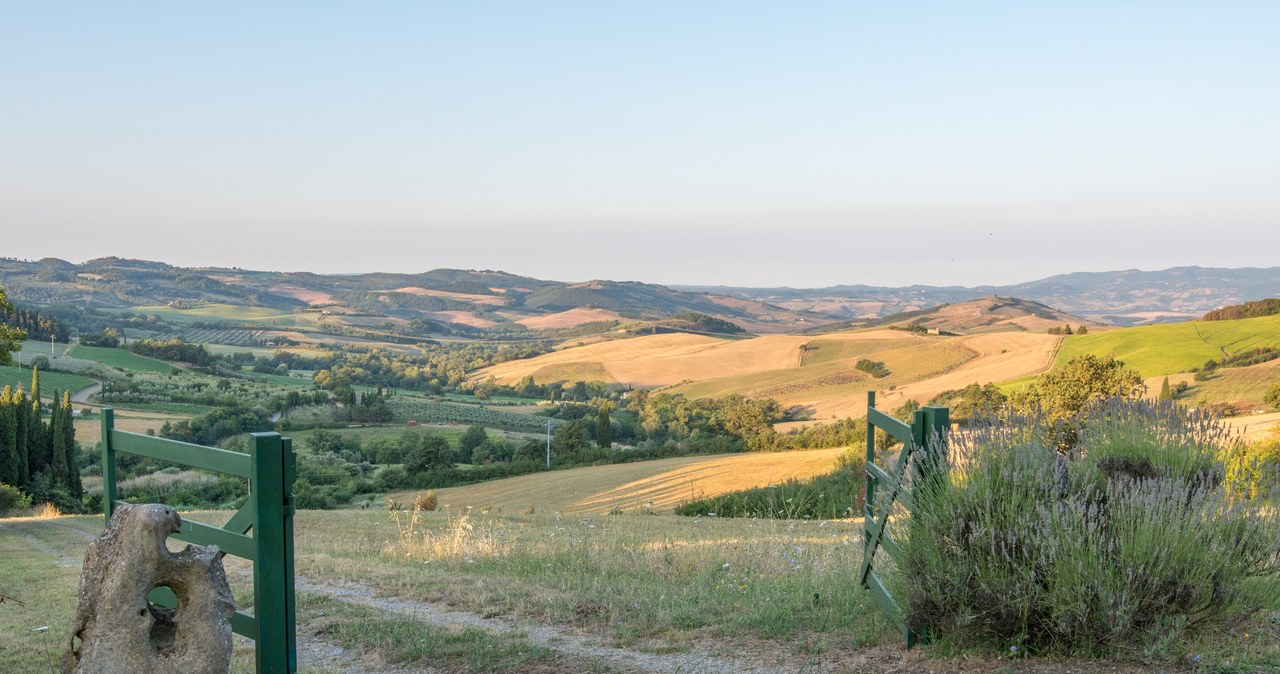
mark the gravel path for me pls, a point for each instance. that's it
(560, 639)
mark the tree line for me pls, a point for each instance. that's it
(38, 456)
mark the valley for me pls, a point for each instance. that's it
(423, 415)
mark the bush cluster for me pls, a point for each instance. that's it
(1129, 540)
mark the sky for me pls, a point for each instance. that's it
(721, 143)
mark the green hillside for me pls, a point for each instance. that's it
(49, 381)
(119, 358)
(1177, 347)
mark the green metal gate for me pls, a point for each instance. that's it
(925, 440)
(270, 468)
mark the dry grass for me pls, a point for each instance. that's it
(994, 314)
(462, 318)
(312, 297)
(1254, 427)
(669, 359)
(568, 319)
(572, 372)
(641, 349)
(490, 300)
(832, 388)
(1000, 357)
(88, 430)
(633, 487)
(812, 372)
(1243, 385)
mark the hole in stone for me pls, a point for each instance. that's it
(163, 604)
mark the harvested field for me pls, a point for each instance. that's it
(1255, 427)
(461, 318)
(312, 297)
(1000, 357)
(89, 430)
(568, 319)
(635, 487)
(572, 372)
(490, 300)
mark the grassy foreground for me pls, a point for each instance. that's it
(781, 595)
(650, 584)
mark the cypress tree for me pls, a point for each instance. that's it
(604, 431)
(58, 455)
(8, 438)
(1165, 392)
(38, 437)
(72, 483)
(21, 419)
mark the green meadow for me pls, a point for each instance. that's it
(122, 359)
(1156, 350)
(231, 314)
(49, 381)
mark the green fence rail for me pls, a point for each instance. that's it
(270, 468)
(924, 439)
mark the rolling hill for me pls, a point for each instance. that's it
(985, 314)
(1178, 347)
(817, 373)
(465, 303)
(1128, 297)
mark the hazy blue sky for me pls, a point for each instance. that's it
(796, 143)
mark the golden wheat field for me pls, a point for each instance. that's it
(667, 359)
(1001, 356)
(566, 319)
(656, 486)
(816, 373)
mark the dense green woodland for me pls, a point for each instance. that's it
(1268, 307)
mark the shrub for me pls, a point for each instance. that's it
(1272, 397)
(1130, 540)
(832, 496)
(1253, 470)
(12, 498)
(426, 501)
(1061, 395)
(875, 368)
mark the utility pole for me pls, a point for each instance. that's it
(548, 443)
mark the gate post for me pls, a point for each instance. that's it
(108, 464)
(869, 499)
(273, 596)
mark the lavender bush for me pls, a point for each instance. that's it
(1130, 541)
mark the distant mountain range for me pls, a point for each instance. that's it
(1128, 297)
(476, 303)
(444, 301)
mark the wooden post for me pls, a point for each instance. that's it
(272, 590)
(108, 464)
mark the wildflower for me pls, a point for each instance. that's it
(1013, 650)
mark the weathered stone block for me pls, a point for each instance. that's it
(117, 630)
